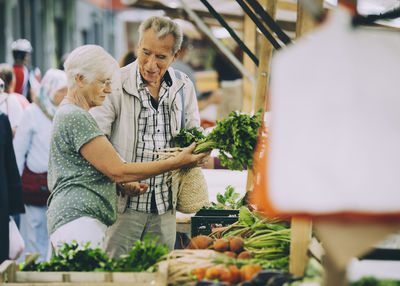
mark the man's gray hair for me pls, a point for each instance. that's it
(90, 61)
(162, 26)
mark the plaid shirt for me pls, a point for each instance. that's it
(153, 134)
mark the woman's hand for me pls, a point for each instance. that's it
(131, 189)
(189, 160)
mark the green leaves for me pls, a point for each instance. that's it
(229, 200)
(143, 255)
(245, 216)
(235, 137)
(187, 137)
(74, 257)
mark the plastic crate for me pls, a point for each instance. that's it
(204, 221)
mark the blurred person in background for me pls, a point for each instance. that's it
(10, 188)
(181, 65)
(27, 81)
(225, 69)
(31, 145)
(83, 165)
(206, 99)
(62, 61)
(128, 58)
(230, 83)
(7, 75)
(9, 103)
(141, 118)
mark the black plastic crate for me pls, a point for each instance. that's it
(204, 221)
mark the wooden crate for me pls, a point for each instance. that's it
(10, 275)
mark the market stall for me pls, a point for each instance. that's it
(232, 239)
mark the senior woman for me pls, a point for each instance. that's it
(83, 165)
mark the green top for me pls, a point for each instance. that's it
(77, 188)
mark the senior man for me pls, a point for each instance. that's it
(140, 117)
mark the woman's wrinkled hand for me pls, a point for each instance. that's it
(131, 189)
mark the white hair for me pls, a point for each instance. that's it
(91, 61)
(163, 26)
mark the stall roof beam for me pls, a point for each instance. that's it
(231, 32)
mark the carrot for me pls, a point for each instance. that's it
(235, 274)
(199, 273)
(247, 272)
(213, 272)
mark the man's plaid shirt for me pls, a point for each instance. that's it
(154, 134)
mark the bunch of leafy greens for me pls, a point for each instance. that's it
(75, 257)
(230, 200)
(143, 255)
(235, 137)
(187, 137)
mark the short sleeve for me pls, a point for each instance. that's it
(77, 128)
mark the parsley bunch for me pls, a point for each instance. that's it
(235, 137)
(144, 254)
(75, 257)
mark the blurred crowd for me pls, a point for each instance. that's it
(29, 101)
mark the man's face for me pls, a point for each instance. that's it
(155, 55)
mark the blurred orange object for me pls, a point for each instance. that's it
(258, 195)
(207, 123)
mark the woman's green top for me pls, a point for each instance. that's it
(77, 188)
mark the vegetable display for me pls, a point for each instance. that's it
(268, 240)
(235, 137)
(75, 257)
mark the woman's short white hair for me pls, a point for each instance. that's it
(163, 26)
(91, 61)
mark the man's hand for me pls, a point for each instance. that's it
(131, 189)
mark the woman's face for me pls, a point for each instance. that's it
(96, 91)
(59, 95)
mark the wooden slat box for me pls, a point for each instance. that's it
(9, 275)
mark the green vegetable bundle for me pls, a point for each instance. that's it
(235, 137)
(75, 257)
(267, 239)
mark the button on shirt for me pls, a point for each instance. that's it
(154, 134)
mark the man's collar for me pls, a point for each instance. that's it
(167, 78)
